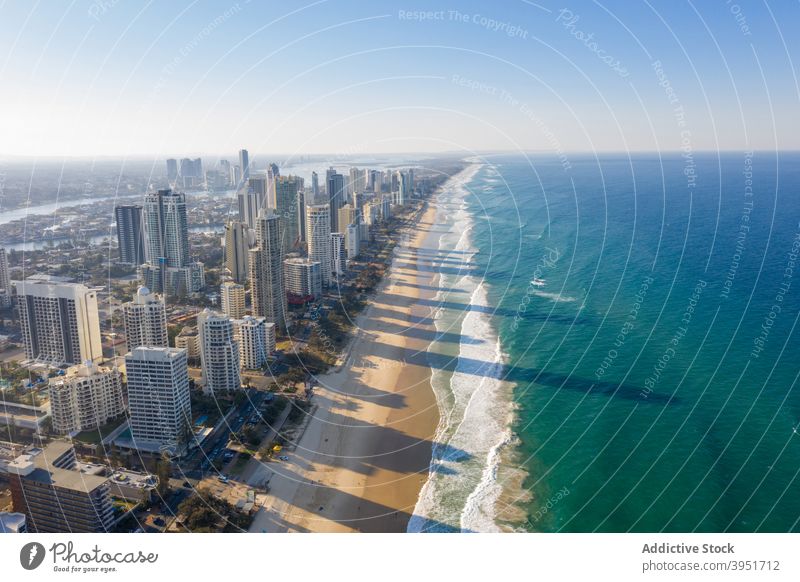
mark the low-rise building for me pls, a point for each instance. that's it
(85, 398)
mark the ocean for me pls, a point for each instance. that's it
(627, 356)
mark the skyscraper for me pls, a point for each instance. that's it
(256, 340)
(266, 270)
(130, 234)
(5, 280)
(219, 353)
(288, 205)
(158, 398)
(232, 299)
(145, 320)
(244, 164)
(172, 170)
(59, 320)
(337, 197)
(167, 227)
(169, 268)
(318, 238)
(338, 253)
(237, 245)
(347, 215)
(314, 188)
(352, 238)
(85, 398)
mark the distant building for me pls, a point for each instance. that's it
(172, 170)
(60, 321)
(5, 280)
(337, 197)
(338, 253)
(158, 398)
(232, 299)
(266, 270)
(288, 206)
(55, 496)
(318, 238)
(130, 234)
(169, 268)
(347, 215)
(314, 189)
(244, 164)
(237, 246)
(219, 353)
(256, 339)
(145, 320)
(85, 398)
(303, 278)
(252, 198)
(352, 238)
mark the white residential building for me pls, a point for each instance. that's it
(169, 267)
(352, 238)
(318, 238)
(266, 270)
(232, 299)
(339, 253)
(219, 353)
(303, 278)
(60, 321)
(256, 339)
(158, 398)
(85, 398)
(145, 320)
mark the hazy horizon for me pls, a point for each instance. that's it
(126, 79)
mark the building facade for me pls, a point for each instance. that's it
(169, 267)
(232, 299)
(303, 278)
(85, 398)
(338, 253)
(256, 339)
(237, 245)
(219, 353)
(266, 270)
(145, 320)
(158, 398)
(60, 321)
(55, 497)
(130, 234)
(318, 237)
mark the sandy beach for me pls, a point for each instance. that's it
(364, 456)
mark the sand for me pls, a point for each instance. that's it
(364, 455)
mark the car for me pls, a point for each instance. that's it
(283, 458)
(222, 478)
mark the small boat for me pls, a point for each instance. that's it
(536, 282)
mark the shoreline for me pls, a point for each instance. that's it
(365, 455)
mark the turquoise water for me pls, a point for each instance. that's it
(655, 356)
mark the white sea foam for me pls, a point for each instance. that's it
(474, 404)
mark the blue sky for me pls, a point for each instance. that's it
(127, 78)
